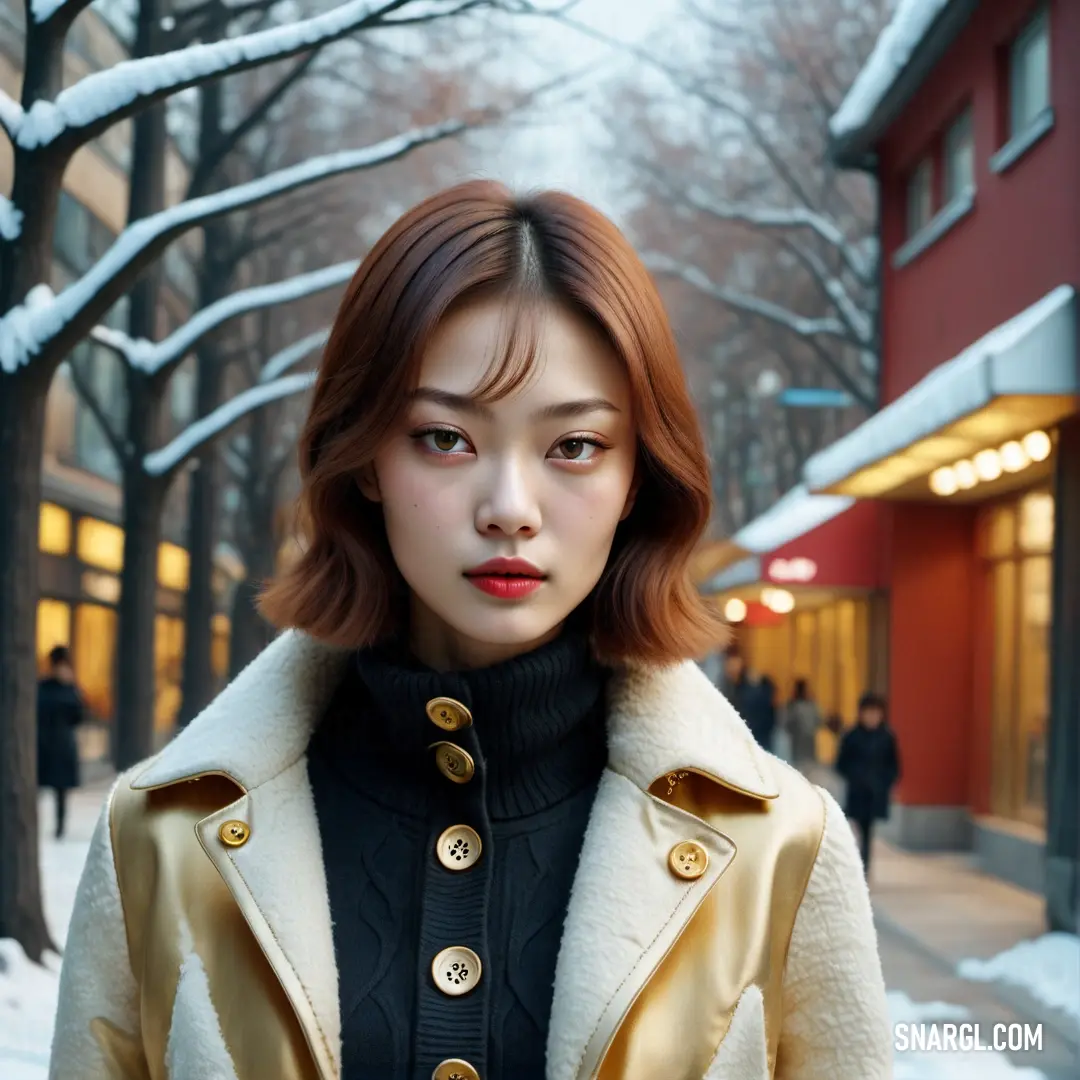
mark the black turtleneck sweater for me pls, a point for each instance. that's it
(537, 738)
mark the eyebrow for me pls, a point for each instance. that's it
(466, 403)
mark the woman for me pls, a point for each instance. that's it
(870, 763)
(802, 722)
(477, 813)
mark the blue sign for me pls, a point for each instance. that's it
(814, 397)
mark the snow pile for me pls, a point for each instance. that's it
(898, 41)
(10, 219)
(43, 10)
(1048, 968)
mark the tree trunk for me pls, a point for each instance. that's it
(251, 633)
(22, 429)
(144, 499)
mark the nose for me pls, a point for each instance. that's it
(508, 503)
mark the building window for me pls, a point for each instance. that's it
(1017, 541)
(94, 656)
(101, 544)
(168, 668)
(53, 628)
(1029, 74)
(959, 154)
(54, 529)
(172, 566)
(920, 196)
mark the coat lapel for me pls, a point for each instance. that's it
(257, 733)
(627, 907)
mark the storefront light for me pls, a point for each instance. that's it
(1037, 445)
(966, 476)
(735, 610)
(988, 464)
(1014, 458)
(943, 481)
(779, 601)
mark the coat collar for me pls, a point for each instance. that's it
(661, 720)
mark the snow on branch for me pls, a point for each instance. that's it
(170, 457)
(177, 345)
(41, 11)
(10, 219)
(751, 305)
(292, 354)
(104, 98)
(11, 115)
(26, 331)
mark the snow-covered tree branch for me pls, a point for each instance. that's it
(26, 330)
(157, 358)
(280, 362)
(105, 98)
(170, 458)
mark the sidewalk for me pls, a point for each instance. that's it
(942, 907)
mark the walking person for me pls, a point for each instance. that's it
(477, 812)
(753, 695)
(870, 763)
(802, 719)
(59, 712)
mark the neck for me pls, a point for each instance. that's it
(435, 643)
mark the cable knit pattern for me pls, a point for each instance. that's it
(538, 741)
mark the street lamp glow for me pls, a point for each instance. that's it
(988, 464)
(735, 610)
(966, 476)
(943, 481)
(1014, 458)
(1037, 444)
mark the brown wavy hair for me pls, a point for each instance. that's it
(479, 239)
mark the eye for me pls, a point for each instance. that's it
(579, 448)
(445, 441)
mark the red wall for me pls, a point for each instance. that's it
(931, 664)
(1022, 238)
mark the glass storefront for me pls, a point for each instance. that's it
(1016, 544)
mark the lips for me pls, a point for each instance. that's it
(506, 579)
(508, 568)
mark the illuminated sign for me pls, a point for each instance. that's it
(799, 569)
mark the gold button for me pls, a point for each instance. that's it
(448, 714)
(454, 763)
(454, 1069)
(688, 860)
(456, 970)
(458, 848)
(234, 833)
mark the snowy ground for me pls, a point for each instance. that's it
(1049, 969)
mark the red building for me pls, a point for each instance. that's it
(968, 113)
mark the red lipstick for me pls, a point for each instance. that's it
(507, 579)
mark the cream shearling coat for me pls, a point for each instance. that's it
(190, 959)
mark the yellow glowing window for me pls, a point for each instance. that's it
(54, 529)
(172, 566)
(219, 652)
(95, 656)
(100, 544)
(53, 628)
(1037, 522)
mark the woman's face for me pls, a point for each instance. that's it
(543, 475)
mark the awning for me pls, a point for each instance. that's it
(1021, 376)
(803, 540)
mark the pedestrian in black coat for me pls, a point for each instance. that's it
(59, 712)
(870, 763)
(753, 696)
